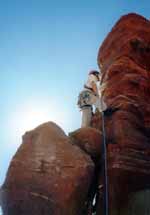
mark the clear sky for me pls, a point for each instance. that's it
(47, 48)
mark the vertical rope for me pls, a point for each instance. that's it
(106, 200)
(104, 152)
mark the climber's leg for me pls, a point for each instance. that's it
(86, 116)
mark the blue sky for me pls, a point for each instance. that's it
(47, 48)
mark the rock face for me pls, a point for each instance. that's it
(89, 139)
(47, 175)
(129, 37)
(124, 61)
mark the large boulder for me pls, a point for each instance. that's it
(47, 175)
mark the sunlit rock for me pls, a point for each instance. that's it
(47, 175)
(129, 37)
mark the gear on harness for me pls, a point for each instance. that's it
(85, 101)
(85, 98)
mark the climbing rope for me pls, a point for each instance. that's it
(104, 154)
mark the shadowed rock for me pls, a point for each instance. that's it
(47, 175)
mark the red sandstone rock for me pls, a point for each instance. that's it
(129, 37)
(124, 128)
(128, 173)
(48, 175)
(129, 83)
(89, 139)
(124, 57)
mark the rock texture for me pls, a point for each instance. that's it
(124, 60)
(89, 139)
(129, 37)
(47, 175)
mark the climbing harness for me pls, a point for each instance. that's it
(83, 99)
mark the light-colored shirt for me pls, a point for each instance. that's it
(92, 83)
(91, 79)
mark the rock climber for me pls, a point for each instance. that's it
(91, 97)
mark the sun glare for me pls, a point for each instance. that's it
(27, 117)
